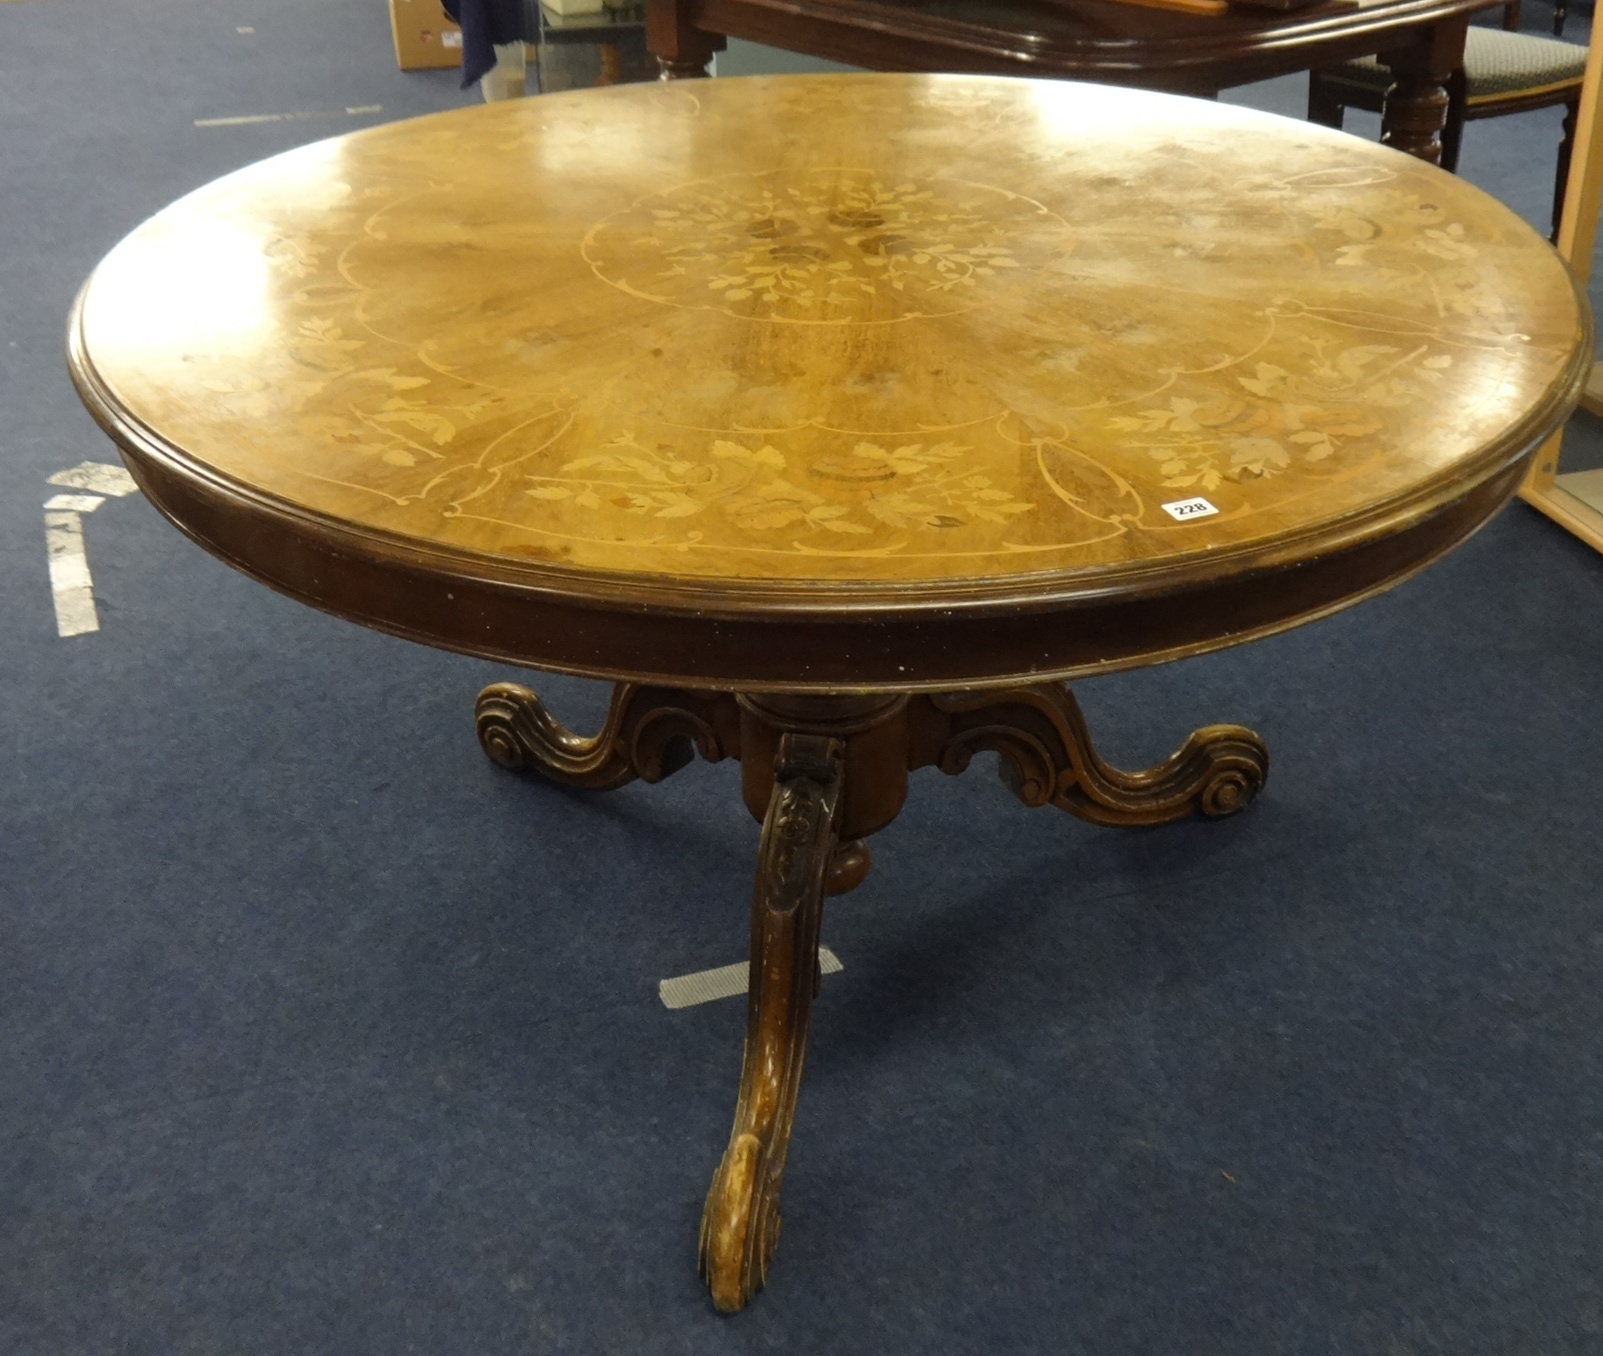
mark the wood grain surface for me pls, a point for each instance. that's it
(829, 349)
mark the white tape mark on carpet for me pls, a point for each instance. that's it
(70, 583)
(685, 991)
(355, 111)
(97, 477)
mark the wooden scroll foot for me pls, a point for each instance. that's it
(1047, 757)
(650, 732)
(740, 1222)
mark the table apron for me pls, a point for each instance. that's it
(793, 649)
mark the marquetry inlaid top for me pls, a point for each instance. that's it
(941, 333)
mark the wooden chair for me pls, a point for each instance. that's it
(1503, 72)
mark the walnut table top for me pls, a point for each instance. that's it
(840, 417)
(863, 344)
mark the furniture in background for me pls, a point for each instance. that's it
(1503, 73)
(841, 420)
(1422, 40)
(1575, 500)
(616, 31)
(496, 36)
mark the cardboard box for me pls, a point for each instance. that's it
(424, 38)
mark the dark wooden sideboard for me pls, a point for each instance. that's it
(1423, 41)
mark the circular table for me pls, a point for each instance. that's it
(839, 419)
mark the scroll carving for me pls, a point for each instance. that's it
(740, 1222)
(1046, 757)
(649, 733)
(810, 848)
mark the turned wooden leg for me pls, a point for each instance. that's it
(1046, 757)
(683, 51)
(740, 1222)
(683, 68)
(1417, 102)
(649, 733)
(1416, 112)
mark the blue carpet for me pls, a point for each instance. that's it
(318, 1033)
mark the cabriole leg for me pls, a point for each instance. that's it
(740, 1222)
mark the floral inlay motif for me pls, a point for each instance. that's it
(1307, 416)
(824, 246)
(859, 492)
(889, 369)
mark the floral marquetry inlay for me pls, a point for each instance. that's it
(863, 493)
(901, 332)
(829, 246)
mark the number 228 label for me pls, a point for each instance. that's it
(1184, 509)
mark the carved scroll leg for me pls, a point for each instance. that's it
(740, 1222)
(1047, 758)
(649, 733)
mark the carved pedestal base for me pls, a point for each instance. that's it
(822, 773)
